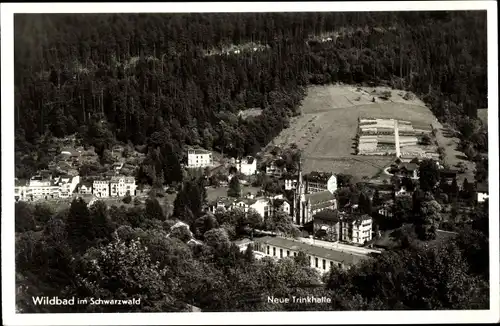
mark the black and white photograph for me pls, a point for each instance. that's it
(250, 158)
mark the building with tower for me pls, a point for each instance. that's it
(313, 195)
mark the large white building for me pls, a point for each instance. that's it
(247, 166)
(260, 205)
(121, 185)
(46, 187)
(199, 158)
(357, 230)
(321, 258)
(67, 185)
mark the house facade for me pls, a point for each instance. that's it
(356, 229)
(261, 205)
(273, 169)
(247, 166)
(316, 182)
(42, 187)
(199, 158)
(100, 188)
(84, 188)
(121, 185)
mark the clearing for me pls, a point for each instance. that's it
(327, 127)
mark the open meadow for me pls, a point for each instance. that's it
(327, 127)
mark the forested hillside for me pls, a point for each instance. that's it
(149, 78)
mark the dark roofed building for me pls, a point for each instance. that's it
(326, 225)
(321, 258)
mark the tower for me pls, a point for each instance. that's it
(298, 195)
(396, 138)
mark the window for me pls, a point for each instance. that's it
(294, 254)
(274, 251)
(309, 260)
(331, 264)
(340, 265)
(281, 253)
(268, 250)
(288, 253)
(324, 264)
(316, 261)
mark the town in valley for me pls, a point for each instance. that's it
(287, 162)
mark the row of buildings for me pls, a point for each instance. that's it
(390, 136)
(264, 206)
(45, 186)
(320, 256)
(201, 158)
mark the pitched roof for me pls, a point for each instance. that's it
(198, 151)
(331, 254)
(248, 160)
(409, 166)
(116, 179)
(319, 197)
(317, 176)
(327, 215)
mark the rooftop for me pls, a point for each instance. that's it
(319, 197)
(317, 176)
(198, 151)
(409, 166)
(248, 160)
(331, 254)
(327, 215)
(116, 179)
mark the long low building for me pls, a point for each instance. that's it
(321, 258)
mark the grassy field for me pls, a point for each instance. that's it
(327, 128)
(452, 156)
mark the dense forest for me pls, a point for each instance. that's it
(160, 82)
(153, 79)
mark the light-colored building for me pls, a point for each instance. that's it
(281, 205)
(41, 187)
(291, 183)
(222, 203)
(320, 258)
(247, 166)
(386, 209)
(100, 188)
(402, 192)
(84, 188)
(273, 169)
(260, 205)
(67, 185)
(121, 185)
(316, 182)
(356, 229)
(199, 158)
